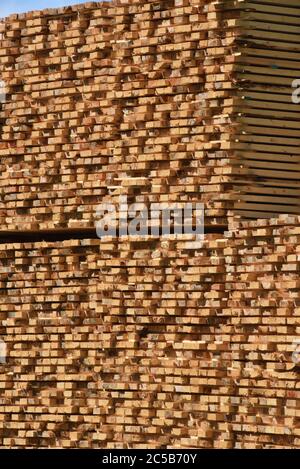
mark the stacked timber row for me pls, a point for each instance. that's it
(118, 97)
(110, 346)
(158, 100)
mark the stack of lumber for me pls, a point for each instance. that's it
(118, 97)
(158, 100)
(147, 342)
(115, 344)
